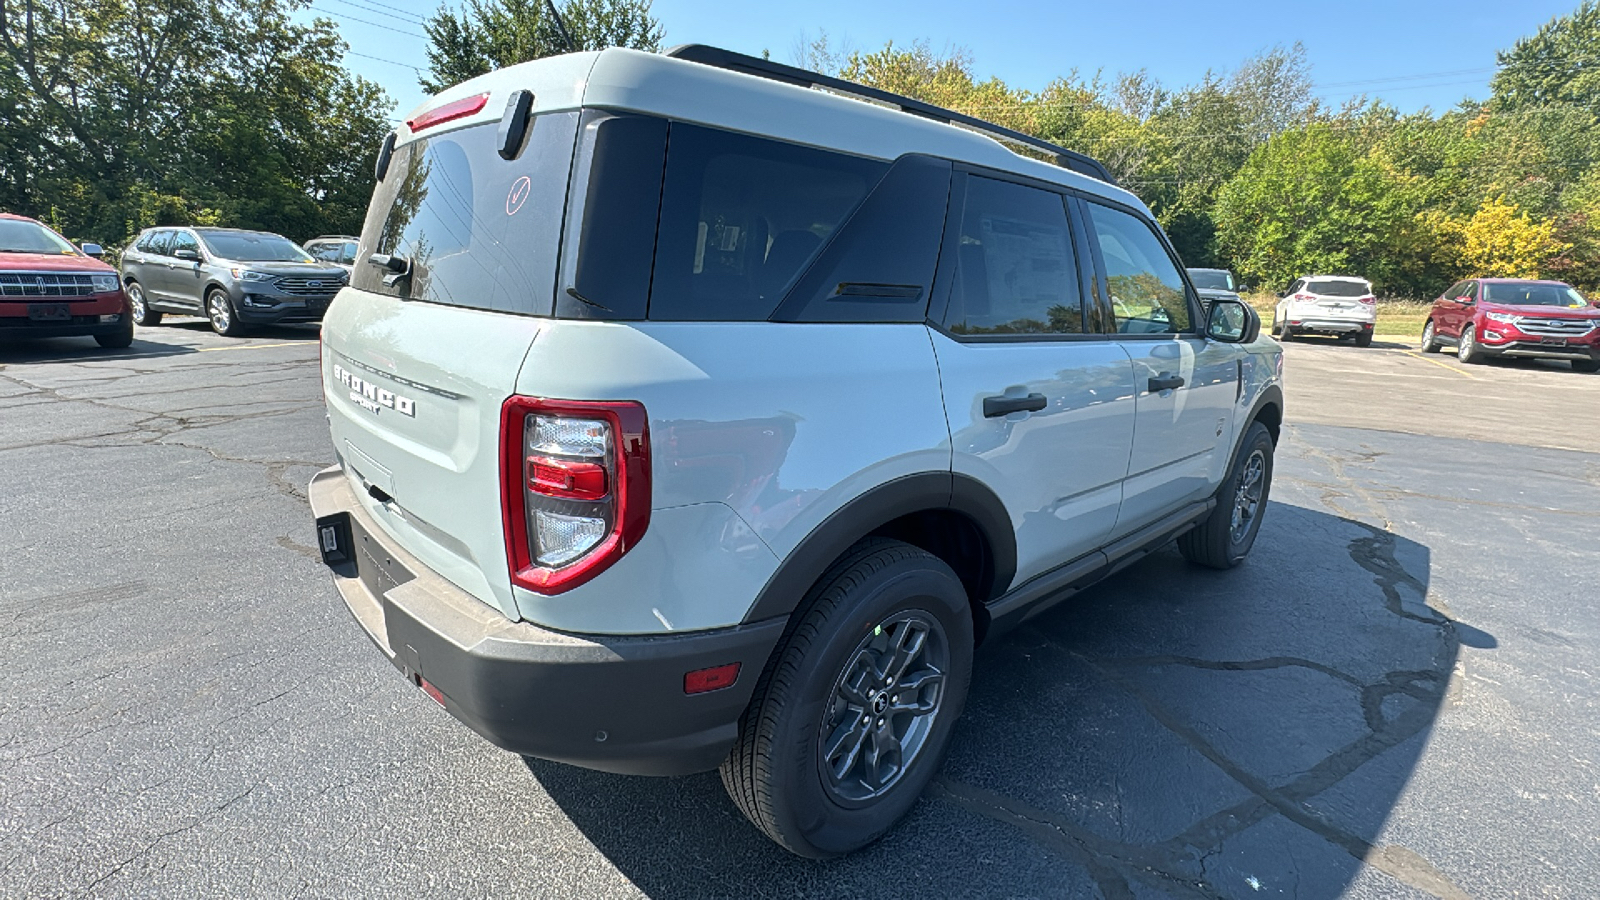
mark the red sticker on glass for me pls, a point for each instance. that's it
(520, 189)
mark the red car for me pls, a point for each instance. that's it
(49, 288)
(1488, 317)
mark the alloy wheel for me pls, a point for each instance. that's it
(217, 309)
(1247, 498)
(883, 707)
(136, 302)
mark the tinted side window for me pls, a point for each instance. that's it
(1454, 290)
(616, 196)
(158, 243)
(347, 253)
(1148, 295)
(741, 217)
(1015, 270)
(182, 240)
(323, 252)
(1472, 290)
(478, 230)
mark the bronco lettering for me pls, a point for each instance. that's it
(372, 397)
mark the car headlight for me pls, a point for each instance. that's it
(247, 275)
(1500, 317)
(104, 284)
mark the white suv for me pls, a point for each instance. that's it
(689, 414)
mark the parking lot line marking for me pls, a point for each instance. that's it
(1427, 360)
(253, 346)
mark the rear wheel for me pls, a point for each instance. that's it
(1467, 351)
(1363, 338)
(853, 714)
(219, 309)
(1224, 538)
(1586, 365)
(1430, 338)
(1285, 333)
(142, 313)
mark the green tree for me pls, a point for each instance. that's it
(127, 113)
(1560, 65)
(491, 34)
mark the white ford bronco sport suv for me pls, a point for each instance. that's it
(690, 413)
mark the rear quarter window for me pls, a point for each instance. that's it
(742, 217)
(479, 231)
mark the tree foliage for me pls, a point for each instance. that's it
(491, 34)
(120, 114)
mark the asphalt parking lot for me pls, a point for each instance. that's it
(1394, 697)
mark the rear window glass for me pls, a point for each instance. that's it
(1331, 288)
(477, 230)
(1533, 295)
(741, 217)
(1211, 279)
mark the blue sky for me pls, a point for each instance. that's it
(1411, 54)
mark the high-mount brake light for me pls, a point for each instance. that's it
(455, 109)
(575, 486)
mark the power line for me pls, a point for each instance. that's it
(391, 62)
(415, 34)
(1416, 77)
(368, 7)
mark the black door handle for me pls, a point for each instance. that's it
(1166, 381)
(999, 406)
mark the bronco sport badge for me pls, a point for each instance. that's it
(371, 397)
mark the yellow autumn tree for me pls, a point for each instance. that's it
(1500, 240)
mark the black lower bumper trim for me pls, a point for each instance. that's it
(613, 703)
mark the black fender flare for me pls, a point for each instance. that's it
(879, 506)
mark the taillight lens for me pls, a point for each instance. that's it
(575, 482)
(1370, 301)
(1305, 297)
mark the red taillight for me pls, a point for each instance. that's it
(1370, 301)
(455, 109)
(567, 479)
(713, 679)
(1305, 296)
(575, 488)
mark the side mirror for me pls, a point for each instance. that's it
(1232, 322)
(187, 255)
(94, 250)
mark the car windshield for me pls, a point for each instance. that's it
(251, 246)
(1339, 288)
(1533, 295)
(1211, 279)
(18, 236)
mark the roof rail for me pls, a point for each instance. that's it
(764, 68)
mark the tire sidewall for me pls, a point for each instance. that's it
(1258, 439)
(227, 304)
(814, 817)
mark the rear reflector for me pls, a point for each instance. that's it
(430, 690)
(570, 479)
(715, 678)
(455, 109)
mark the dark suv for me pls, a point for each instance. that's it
(49, 288)
(1490, 317)
(234, 278)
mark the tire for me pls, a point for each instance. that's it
(122, 338)
(1467, 351)
(1364, 339)
(142, 313)
(1586, 365)
(1285, 333)
(220, 312)
(779, 772)
(1430, 338)
(1220, 541)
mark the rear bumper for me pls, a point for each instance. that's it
(599, 701)
(1331, 326)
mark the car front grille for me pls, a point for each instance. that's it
(1554, 327)
(303, 286)
(45, 284)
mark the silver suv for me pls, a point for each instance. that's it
(233, 278)
(692, 413)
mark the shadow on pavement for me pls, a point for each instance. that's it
(1175, 731)
(83, 349)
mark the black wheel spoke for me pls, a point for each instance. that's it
(918, 693)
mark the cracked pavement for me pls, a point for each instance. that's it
(1394, 697)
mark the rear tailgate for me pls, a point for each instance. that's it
(414, 393)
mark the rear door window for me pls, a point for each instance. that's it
(742, 217)
(157, 243)
(1015, 270)
(476, 230)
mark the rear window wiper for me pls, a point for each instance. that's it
(398, 267)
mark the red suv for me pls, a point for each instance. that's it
(1488, 317)
(49, 288)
